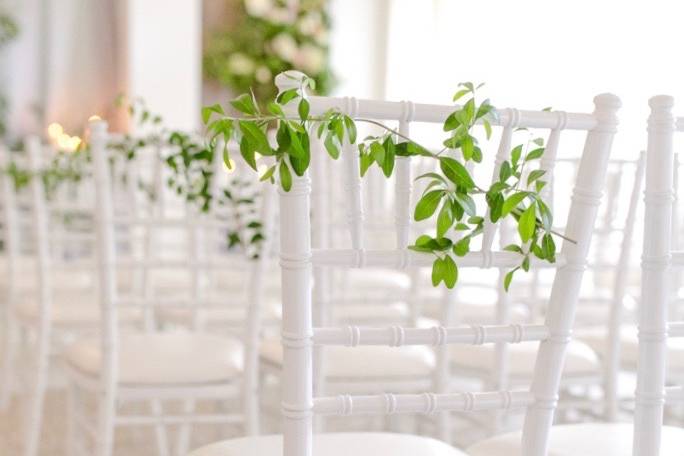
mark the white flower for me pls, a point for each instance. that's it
(311, 59)
(263, 75)
(258, 8)
(284, 47)
(240, 64)
(310, 24)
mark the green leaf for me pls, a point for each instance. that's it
(549, 247)
(509, 277)
(451, 123)
(546, 215)
(208, 110)
(244, 103)
(466, 202)
(513, 248)
(444, 220)
(351, 129)
(226, 158)
(467, 146)
(256, 137)
(538, 141)
(462, 247)
(488, 128)
(268, 174)
(427, 205)
(331, 147)
(495, 202)
(287, 96)
(449, 271)
(505, 171)
(460, 94)
(534, 154)
(378, 153)
(456, 172)
(301, 164)
(526, 223)
(365, 161)
(534, 175)
(247, 152)
(437, 272)
(515, 155)
(388, 164)
(512, 202)
(526, 263)
(274, 108)
(303, 109)
(539, 185)
(285, 176)
(299, 147)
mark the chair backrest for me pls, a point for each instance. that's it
(657, 259)
(108, 224)
(297, 260)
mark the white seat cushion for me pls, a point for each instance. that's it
(71, 308)
(365, 361)
(335, 444)
(591, 439)
(164, 358)
(396, 312)
(580, 358)
(629, 345)
(271, 312)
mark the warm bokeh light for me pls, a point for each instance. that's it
(94, 117)
(55, 130)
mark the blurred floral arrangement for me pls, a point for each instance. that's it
(8, 32)
(271, 36)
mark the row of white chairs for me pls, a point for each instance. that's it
(123, 357)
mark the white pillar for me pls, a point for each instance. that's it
(164, 58)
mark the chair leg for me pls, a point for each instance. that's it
(104, 442)
(160, 429)
(71, 419)
(185, 431)
(8, 363)
(36, 397)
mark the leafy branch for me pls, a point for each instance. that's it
(450, 191)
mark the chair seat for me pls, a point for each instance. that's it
(271, 312)
(580, 359)
(334, 444)
(163, 358)
(71, 309)
(365, 361)
(590, 439)
(629, 346)
(396, 312)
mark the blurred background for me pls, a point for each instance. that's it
(63, 61)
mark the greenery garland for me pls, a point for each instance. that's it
(450, 189)
(189, 160)
(8, 32)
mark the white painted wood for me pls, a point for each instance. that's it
(650, 393)
(297, 259)
(612, 359)
(34, 413)
(585, 201)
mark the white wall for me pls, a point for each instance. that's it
(164, 58)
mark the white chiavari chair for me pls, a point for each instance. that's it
(299, 405)
(60, 303)
(646, 436)
(152, 366)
